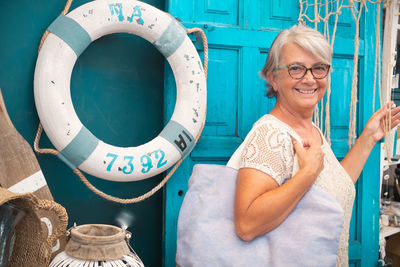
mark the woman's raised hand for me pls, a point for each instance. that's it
(310, 157)
(375, 127)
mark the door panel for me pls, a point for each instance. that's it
(217, 11)
(220, 121)
(345, 24)
(279, 15)
(340, 100)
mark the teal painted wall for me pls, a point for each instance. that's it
(117, 91)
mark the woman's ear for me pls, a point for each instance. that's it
(271, 79)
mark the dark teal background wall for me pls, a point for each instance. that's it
(117, 91)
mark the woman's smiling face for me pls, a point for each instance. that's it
(303, 94)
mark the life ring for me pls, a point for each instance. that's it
(78, 147)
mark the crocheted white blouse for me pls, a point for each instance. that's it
(268, 148)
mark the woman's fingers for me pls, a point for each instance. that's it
(310, 156)
(298, 147)
(395, 116)
(394, 113)
(380, 113)
(383, 113)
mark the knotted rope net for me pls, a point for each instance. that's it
(325, 12)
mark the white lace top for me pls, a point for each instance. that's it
(268, 148)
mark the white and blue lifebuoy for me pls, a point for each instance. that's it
(79, 148)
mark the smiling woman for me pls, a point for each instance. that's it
(293, 85)
(304, 37)
(285, 155)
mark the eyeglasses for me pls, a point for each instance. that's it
(298, 71)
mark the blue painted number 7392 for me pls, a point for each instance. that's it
(145, 161)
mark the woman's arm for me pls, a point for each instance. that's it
(261, 205)
(373, 131)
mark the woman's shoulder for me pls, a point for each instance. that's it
(267, 133)
(269, 123)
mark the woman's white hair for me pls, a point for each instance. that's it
(307, 38)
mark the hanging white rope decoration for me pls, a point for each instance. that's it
(324, 12)
(377, 62)
(331, 8)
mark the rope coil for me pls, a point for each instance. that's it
(80, 174)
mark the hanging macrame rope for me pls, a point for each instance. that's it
(319, 111)
(80, 174)
(377, 62)
(331, 40)
(334, 8)
(354, 99)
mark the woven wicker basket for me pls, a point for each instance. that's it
(32, 247)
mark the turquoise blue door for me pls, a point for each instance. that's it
(239, 33)
(117, 91)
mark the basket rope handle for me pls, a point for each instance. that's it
(49, 205)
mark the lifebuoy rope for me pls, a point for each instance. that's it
(80, 174)
(205, 45)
